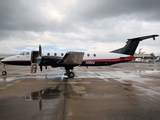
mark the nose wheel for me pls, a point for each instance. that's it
(4, 72)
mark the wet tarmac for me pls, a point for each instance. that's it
(126, 91)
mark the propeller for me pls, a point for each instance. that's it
(40, 58)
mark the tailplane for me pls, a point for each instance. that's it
(132, 44)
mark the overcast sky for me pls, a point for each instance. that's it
(81, 25)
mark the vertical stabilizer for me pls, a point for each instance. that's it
(132, 45)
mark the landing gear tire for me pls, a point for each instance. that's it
(4, 73)
(71, 74)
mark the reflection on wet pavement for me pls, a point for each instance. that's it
(45, 94)
(40, 104)
(46, 76)
(110, 92)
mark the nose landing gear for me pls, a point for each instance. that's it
(4, 72)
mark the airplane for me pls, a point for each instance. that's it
(72, 59)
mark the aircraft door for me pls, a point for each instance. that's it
(34, 55)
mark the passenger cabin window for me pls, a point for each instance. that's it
(55, 54)
(62, 54)
(94, 55)
(88, 55)
(48, 54)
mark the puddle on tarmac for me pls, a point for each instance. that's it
(97, 95)
(47, 94)
(137, 78)
(148, 91)
(120, 75)
(149, 72)
(36, 105)
(45, 76)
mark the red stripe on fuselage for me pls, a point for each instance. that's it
(110, 60)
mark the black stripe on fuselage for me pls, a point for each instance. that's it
(20, 63)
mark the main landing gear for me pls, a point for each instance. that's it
(69, 73)
(4, 72)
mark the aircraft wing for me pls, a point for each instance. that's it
(72, 58)
(144, 37)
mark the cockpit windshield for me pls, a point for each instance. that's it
(25, 53)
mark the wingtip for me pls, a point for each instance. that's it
(155, 36)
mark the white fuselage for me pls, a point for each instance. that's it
(89, 59)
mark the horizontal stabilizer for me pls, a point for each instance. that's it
(72, 58)
(144, 37)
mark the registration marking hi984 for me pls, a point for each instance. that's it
(90, 62)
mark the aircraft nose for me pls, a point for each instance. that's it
(3, 60)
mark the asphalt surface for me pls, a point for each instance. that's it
(128, 91)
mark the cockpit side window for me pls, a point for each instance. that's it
(23, 53)
(27, 53)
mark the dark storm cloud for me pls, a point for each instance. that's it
(86, 21)
(137, 9)
(27, 16)
(16, 14)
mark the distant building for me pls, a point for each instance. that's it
(145, 56)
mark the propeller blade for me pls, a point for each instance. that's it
(40, 58)
(40, 50)
(41, 67)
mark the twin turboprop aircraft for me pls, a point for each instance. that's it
(72, 59)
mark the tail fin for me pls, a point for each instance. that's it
(132, 45)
